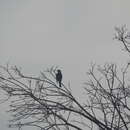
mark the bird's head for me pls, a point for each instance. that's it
(59, 71)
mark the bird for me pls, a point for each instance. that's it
(59, 77)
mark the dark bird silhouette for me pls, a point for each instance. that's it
(59, 77)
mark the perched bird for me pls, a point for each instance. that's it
(59, 77)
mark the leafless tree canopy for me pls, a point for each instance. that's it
(40, 102)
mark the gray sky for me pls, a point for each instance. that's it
(36, 34)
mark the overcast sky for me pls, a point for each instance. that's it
(36, 34)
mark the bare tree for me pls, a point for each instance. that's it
(109, 96)
(40, 102)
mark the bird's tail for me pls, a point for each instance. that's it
(59, 84)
